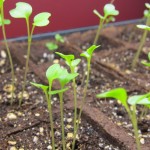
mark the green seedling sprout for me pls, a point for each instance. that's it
(109, 13)
(143, 39)
(72, 63)
(24, 10)
(88, 55)
(4, 22)
(120, 94)
(55, 72)
(54, 45)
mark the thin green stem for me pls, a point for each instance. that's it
(82, 102)
(48, 98)
(142, 42)
(62, 119)
(144, 112)
(27, 59)
(8, 53)
(135, 127)
(75, 102)
(98, 31)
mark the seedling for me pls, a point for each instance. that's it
(109, 13)
(121, 95)
(4, 22)
(144, 36)
(54, 45)
(55, 72)
(72, 63)
(88, 55)
(24, 10)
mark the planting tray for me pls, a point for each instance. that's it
(104, 123)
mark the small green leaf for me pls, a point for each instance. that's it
(58, 91)
(147, 5)
(75, 62)
(109, 10)
(98, 14)
(88, 53)
(145, 27)
(146, 63)
(51, 46)
(6, 21)
(146, 13)
(41, 86)
(59, 38)
(139, 99)
(22, 10)
(66, 77)
(53, 72)
(41, 19)
(119, 94)
(149, 56)
(68, 58)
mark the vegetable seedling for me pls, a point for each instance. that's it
(24, 10)
(55, 72)
(72, 63)
(120, 94)
(88, 55)
(109, 13)
(4, 22)
(144, 36)
(52, 46)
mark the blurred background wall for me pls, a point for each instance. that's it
(70, 14)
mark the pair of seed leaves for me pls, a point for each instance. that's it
(121, 95)
(61, 74)
(109, 12)
(24, 10)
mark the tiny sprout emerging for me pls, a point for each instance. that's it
(54, 45)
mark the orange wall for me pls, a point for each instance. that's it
(69, 14)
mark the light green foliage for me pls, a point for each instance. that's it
(53, 72)
(6, 21)
(41, 86)
(51, 46)
(118, 94)
(22, 10)
(54, 45)
(109, 11)
(88, 53)
(121, 95)
(41, 19)
(145, 27)
(59, 38)
(1, 3)
(147, 63)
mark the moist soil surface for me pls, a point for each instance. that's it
(27, 127)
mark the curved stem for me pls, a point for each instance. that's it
(8, 53)
(98, 31)
(82, 102)
(27, 59)
(142, 42)
(62, 119)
